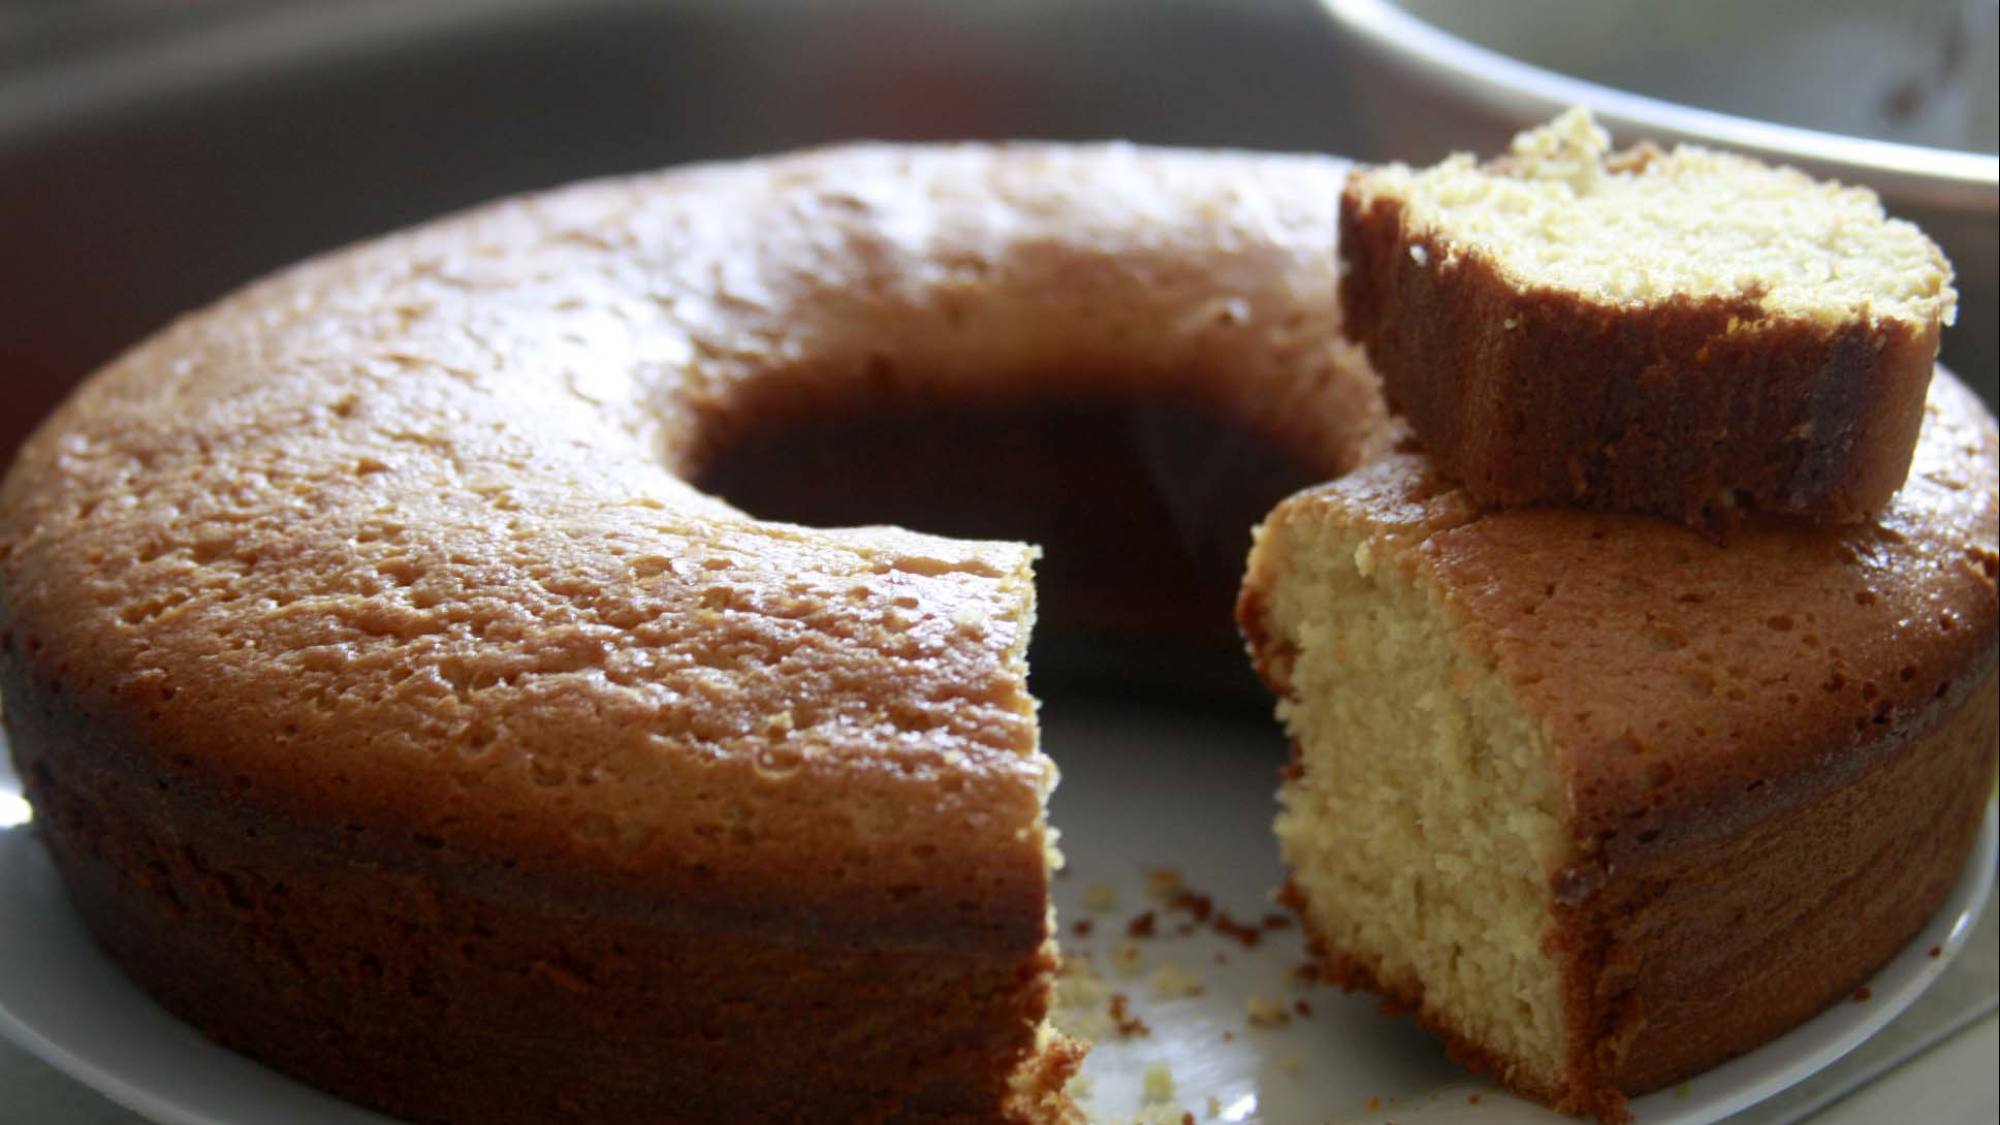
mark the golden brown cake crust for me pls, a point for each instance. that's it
(1681, 673)
(1776, 749)
(374, 594)
(1542, 397)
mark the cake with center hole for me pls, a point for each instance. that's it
(396, 711)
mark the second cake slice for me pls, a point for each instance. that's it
(1689, 334)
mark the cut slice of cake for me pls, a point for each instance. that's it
(1606, 802)
(1688, 333)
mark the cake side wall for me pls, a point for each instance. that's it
(1691, 955)
(1686, 408)
(433, 994)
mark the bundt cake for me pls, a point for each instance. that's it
(395, 710)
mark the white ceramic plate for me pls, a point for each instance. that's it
(1140, 792)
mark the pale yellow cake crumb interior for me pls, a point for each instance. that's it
(1425, 821)
(1691, 221)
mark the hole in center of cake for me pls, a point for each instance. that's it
(1142, 506)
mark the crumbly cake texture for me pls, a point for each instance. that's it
(396, 712)
(1687, 333)
(1606, 802)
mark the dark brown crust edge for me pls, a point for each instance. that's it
(413, 982)
(1539, 397)
(1698, 953)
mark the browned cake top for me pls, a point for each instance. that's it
(1563, 211)
(1686, 680)
(399, 537)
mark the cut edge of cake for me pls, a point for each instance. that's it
(1039, 1092)
(1351, 636)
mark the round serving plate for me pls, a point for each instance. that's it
(1142, 792)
